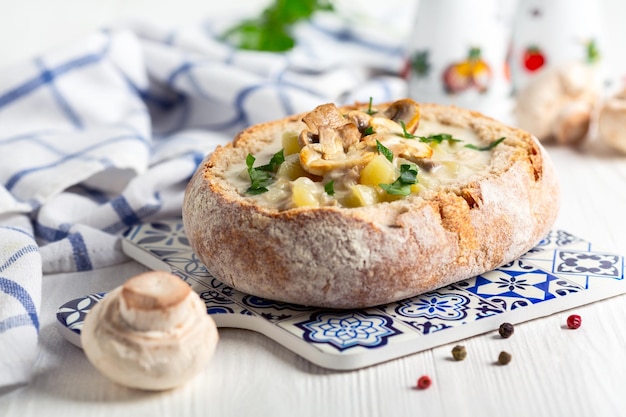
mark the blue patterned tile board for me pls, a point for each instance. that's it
(560, 273)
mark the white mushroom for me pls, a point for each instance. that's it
(151, 333)
(612, 120)
(558, 104)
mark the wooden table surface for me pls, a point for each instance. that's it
(554, 371)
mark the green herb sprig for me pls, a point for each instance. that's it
(271, 31)
(369, 110)
(405, 133)
(485, 148)
(438, 138)
(329, 187)
(382, 149)
(402, 185)
(261, 177)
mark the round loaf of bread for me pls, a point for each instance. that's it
(320, 222)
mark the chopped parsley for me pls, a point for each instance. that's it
(261, 177)
(368, 131)
(485, 148)
(402, 185)
(382, 149)
(273, 29)
(369, 110)
(405, 133)
(438, 138)
(277, 159)
(329, 187)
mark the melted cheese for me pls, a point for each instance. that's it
(293, 187)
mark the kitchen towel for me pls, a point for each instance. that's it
(103, 134)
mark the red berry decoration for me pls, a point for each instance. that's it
(574, 321)
(424, 382)
(533, 58)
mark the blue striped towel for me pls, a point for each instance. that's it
(105, 133)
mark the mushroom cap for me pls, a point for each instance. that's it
(152, 333)
(558, 103)
(611, 121)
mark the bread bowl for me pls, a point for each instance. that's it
(484, 194)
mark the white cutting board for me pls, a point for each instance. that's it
(562, 272)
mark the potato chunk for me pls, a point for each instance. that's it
(305, 193)
(290, 143)
(378, 171)
(360, 196)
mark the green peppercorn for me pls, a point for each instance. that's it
(506, 330)
(459, 353)
(504, 358)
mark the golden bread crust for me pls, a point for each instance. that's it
(359, 257)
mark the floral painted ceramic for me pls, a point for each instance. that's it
(551, 33)
(458, 54)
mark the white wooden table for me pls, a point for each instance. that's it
(554, 371)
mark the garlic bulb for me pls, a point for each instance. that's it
(151, 333)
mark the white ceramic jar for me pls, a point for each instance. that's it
(458, 54)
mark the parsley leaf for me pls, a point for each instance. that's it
(438, 138)
(277, 159)
(261, 177)
(382, 149)
(402, 185)
(368, 131)
(329, 187)
(485, 148)
(405, 133)
(272, 30)
(369, 109)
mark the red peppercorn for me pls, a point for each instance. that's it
(574, 321)
(424, 382)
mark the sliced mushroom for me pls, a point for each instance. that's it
(359, 118)
(410, 149)
(413, 151)
(325, 118)
(332, 141)
(313, 162)
(406, 111)
(152, 333)
(324, 115)
(384, 125)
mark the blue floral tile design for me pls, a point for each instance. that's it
(538, 283)
(561, 238)
(347, 330)
(161, 238)
(274, 311)
(439, 310)
(589, 263)
(510, 288)
(188, 263)
(72, 314)
(435, 305)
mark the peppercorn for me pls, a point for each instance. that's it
(574, 321)
(424, 382)
(506, 330)
(504, 358)
(459, 353)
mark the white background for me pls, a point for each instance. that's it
(29, 27)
